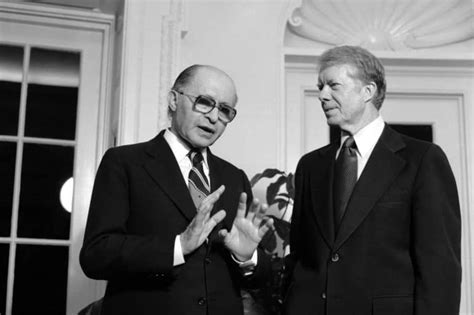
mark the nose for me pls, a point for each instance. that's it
(324, 94)
(213, 115)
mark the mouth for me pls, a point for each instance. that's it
(328, 108)
(207, 130)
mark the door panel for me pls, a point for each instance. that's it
(442, 111)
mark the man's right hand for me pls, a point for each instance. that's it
(202, 224)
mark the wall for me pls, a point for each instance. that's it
(245, 39)
(242, 37)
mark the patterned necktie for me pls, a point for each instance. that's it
(345, 177)
(197, 182)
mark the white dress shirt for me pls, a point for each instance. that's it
(365, 140)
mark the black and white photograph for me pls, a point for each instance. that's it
(236, 157)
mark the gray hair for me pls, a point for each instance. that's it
(369, 68)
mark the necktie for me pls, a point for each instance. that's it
(345, 177)
(197, 182)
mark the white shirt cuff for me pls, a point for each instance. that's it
(247, 267)
(178, 257)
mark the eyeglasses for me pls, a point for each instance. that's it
(205, 104)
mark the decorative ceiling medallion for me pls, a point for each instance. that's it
(384, 24)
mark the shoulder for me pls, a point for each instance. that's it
(421, 148)
(128, 153)
(311, 157)
(126, 150)
(414, 151)
(225, 166)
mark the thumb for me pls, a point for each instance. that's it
(223, 234)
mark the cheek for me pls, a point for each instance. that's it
(339, 97)
(220, 131)
(346, 101)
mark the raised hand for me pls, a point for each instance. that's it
(247, 230)
(202, 224)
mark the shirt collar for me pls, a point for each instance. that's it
(367, 137)
(179, 148)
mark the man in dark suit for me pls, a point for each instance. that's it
(168, 225)
(376, 224)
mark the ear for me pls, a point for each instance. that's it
(172, 101)
(369, 91)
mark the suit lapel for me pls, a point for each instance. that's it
(381, 170)
(164, 170)
(321, 192)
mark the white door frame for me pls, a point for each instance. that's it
(91, 34)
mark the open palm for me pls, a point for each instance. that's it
(247, 229)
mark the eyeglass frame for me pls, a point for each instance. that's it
(216, 104)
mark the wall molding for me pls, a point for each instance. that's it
(384, 24)
(174, 28)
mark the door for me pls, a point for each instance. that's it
(54, 71)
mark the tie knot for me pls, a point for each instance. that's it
(349, 143)
(196, 157)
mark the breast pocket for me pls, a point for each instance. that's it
(393, 305)
(394, 197)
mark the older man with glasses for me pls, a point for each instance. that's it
(168, 225)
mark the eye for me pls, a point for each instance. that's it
(320, 86)
(226, 110)
(205, 101)
(334, 85)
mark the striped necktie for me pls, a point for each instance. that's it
(345, 177)
(197, 181)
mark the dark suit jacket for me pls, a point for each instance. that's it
(397, 251)
(140, 202)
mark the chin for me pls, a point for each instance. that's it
(203, 143)
(332, 121)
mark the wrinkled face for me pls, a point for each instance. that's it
(197, 129)
(343, 97)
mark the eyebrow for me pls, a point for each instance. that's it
(217, 102)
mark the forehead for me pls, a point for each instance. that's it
(338, 72)
(213, 83)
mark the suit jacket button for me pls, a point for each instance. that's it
(202, 301)
(323, 295)
(208, 260)
(335, 257)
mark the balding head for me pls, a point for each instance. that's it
(188, 75)
(196, 127)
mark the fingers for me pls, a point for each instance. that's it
(260, 214)
(217, 218)
(267, 226)
(207, 204)
(213, 221)
(254, 208)
(223, 233)
(211, 199)
(242, 206)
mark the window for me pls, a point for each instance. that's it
(37, 141)
(55, 67)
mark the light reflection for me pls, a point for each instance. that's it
(65, 195)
